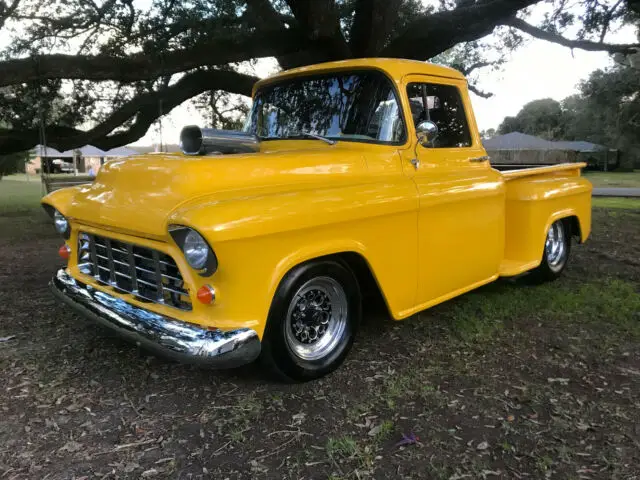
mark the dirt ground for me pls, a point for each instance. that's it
(510, 381)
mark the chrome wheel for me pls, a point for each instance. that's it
(316, 318)
(555, 246)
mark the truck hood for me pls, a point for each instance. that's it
(137, 194)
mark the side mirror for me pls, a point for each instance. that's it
(426, 131)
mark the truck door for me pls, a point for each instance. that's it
(461, 198)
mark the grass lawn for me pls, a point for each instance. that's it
(614, 179)
(509, 381)
(22, 177)
(616, 202)
(18, 195)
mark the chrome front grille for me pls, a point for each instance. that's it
(145, 273)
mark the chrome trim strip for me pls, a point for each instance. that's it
(156, 264)
(169, 337)
(170, 277)
(132, 269)
(112, 267)
(94, 255)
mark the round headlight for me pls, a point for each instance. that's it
(195, 250)
(60, 222)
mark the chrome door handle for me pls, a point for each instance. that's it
(415, 162)
(485, 158)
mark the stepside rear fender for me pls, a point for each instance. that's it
(533, 203)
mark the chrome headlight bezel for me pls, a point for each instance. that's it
(60, 222)
(195, 249)
(197, 252)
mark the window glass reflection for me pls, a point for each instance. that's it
(442, 105)
(356, 106)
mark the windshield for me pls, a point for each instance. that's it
(355, 106)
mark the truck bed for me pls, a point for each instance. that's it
(535, 198)
(528, 172)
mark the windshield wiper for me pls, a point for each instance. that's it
(317, 137)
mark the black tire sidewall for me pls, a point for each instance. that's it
(275, 347)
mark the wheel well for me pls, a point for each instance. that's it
(574, 223)
(370, 290)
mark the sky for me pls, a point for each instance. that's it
(538, 70)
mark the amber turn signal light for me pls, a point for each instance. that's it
(206, 294)
(64, 251)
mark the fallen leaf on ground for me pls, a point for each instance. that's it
(562, 381)
(71, 447)
(410, 439)
(298, 418)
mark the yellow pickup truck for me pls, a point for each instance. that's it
(348, 176)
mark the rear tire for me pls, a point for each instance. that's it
(555, 254)
(312, 322)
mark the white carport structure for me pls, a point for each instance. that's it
(84, 158)
(119, 152)
(78, 163)
(94, 157)
(42, 158)
(79, 160)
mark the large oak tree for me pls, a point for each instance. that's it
(102, 72)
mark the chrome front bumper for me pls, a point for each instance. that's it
(172, 338)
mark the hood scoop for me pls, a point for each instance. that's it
(200, 141)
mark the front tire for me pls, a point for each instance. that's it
(312, 321)
(555, 255)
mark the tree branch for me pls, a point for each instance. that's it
(607, 19)
(320, 21)
(143, 107)
(261, 14)
(474, 66)
(143, 66)
(479, 92)
(7, 12)
(566, 42)
(432, 34)
(263, 11)
(372, 22)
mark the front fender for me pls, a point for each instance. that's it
(62, 200)
(311, 251)
(250, 216)
(259, 239)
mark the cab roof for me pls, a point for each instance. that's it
(394, 67)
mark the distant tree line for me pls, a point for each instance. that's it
(12, 163)
(605, 111)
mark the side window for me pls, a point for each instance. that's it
(442, 105)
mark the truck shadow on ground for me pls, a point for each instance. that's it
(374, 334)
